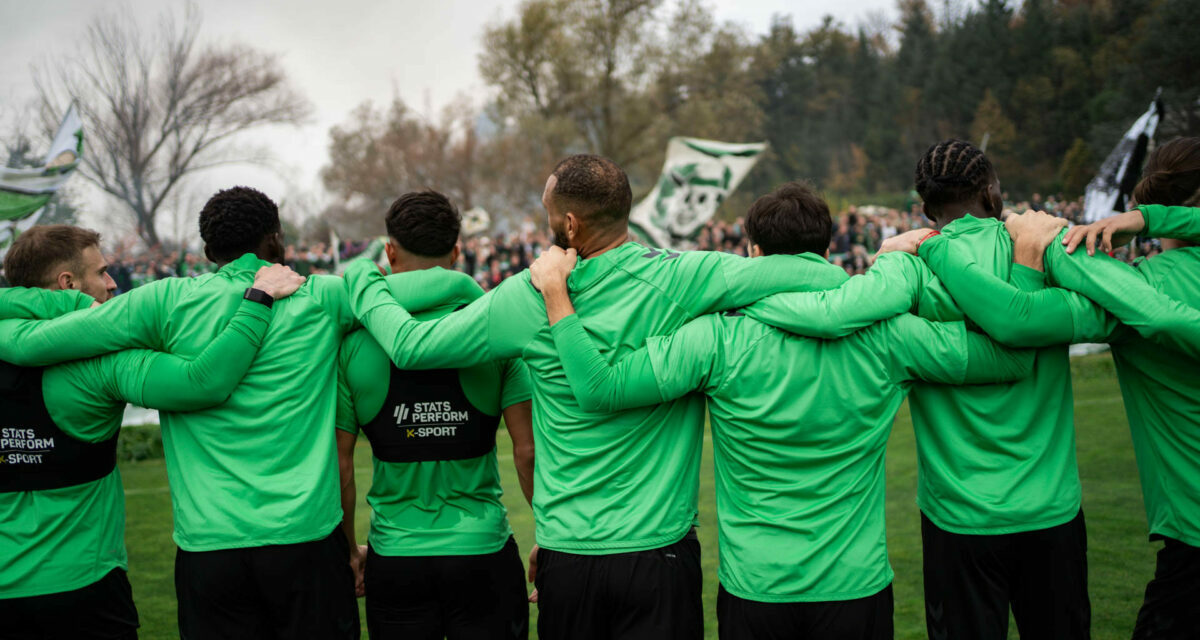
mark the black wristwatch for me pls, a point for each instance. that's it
(259, 296)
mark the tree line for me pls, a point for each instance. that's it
(1051, 86)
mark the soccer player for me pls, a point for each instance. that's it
(998, 487)
(1160, 385)
(800, 428)
(614, 492)
(442, 562)
(62, 546)
(254, 481)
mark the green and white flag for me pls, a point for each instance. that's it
(697, 177)
(25, 191)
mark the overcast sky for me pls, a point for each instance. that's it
(339, 53)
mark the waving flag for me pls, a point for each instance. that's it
(25, 191)
(1108, 193)
(697, 177)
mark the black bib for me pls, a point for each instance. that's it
(427, 417)
(35, 454)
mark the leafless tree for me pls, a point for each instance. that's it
(158, 105)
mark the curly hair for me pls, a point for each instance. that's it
(952, 171)
(1172, 175)
(235, 221)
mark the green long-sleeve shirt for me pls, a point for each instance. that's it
(434, 508)
(604, 482)
(261, 468)
(799, 428)
(1160, 385)
(64, 539)
(991, 459)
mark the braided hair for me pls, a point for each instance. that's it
(952, 171)
(1172, 175)
(235, 221)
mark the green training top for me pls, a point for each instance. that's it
(434, 508)
(991, 459)
(1160, 385)
(64, 539)
(800, 428)
(604, 482)
(261, 468)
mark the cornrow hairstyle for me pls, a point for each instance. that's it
(235, 221)
(952, 171)
(1172, 175)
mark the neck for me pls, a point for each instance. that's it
(1169, 244)
(593, 247)
(417, 263)
(955, 212)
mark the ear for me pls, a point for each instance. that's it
(66, 280)
(454, 253)
(826, 254)
(208, 254)
(573, 226)
(390, 251)
(755, 251)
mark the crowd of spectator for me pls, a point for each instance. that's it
(857, 235)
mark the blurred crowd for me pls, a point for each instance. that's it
(858, 232)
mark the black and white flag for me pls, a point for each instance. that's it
(1108, 193)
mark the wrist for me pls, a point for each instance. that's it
(920, 242)
(260, 295)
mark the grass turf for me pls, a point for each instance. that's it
(1120, 559)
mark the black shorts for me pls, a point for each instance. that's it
(102, 610)
(971, 580)
(868, 618)
(480, 597)
(284, 592)
(1171, 610)
(650, 595)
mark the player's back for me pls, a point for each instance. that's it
(438, 492)
(1026, 477)
(261, 468)
(1161, 389)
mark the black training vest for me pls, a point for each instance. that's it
(427, 417)
(34, 453)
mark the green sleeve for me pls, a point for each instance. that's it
(172, 383)
(1180, 223)
(497, 326)
(1026, 315)
(345, 417)
(517, 387)
(891, 287)
(945, 352)
(41, 304)
(331, 292)
(1121, 290)
(709, 281)
(131, 320)
(599, 387)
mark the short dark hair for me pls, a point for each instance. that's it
(425, 223)
(952, 171)
(594, 188)
(791, 219)
(234, 222)
(1172, 175)
(37, 253)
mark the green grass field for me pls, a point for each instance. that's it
(1121, 561)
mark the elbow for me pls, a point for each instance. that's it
(523, 455)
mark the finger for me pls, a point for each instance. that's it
(1108, 234)
(1091, 240)
(533, 597)
(1071, 240)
